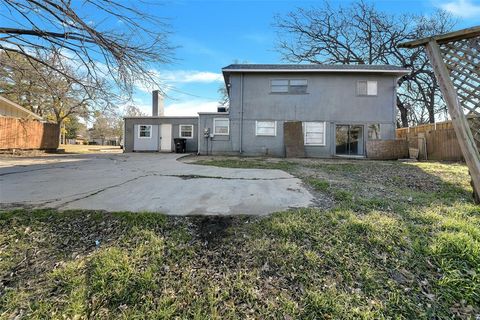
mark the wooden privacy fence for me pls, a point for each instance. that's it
(439, 139)
(443, 145)
(440, 144)
(27, 134)
(402, 133)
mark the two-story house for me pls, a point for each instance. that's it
(340, 108)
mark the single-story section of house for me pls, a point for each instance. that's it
(317, 110)
(157, 132)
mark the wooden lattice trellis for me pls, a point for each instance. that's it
(455, 58)
(462, 59)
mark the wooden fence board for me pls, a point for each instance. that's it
(443, 145)
(27, 134)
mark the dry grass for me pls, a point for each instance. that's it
(84, 149)
(396, 241)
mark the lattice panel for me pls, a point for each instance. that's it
(474, 123)
(462, 58)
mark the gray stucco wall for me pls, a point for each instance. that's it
(192, 144)
(330, 97)
(217, 144)
(146, 144)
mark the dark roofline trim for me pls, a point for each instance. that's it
(162, 117)
(392, 71)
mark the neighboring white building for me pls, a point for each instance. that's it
(11, 109)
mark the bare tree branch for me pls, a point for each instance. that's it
(361, 34)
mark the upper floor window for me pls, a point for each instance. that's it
(186, 131)
(221, 126)
(144, 131)
(367, 88)
(288, 86)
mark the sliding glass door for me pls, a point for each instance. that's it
(349, 140)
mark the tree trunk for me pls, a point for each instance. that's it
(431, 107)
(59, 124)
(403, 113)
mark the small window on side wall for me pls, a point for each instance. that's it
(186, 131)
(266, 128)
(367, 88)
(374, 131)
(221, 126)
(144, 131)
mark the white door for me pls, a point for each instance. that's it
(166, 137)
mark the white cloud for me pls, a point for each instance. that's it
(190, 108)
(169, 78)
(462, 8)
(189, 76)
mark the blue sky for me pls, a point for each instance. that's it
(213, 34)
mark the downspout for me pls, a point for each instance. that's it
(123, 134)
(241, 113)
(198, 136)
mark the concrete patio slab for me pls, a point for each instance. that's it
(145, 182)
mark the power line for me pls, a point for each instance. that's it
(190, 94)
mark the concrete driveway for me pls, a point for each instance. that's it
(145, 182)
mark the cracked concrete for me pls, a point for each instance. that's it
(145, 182)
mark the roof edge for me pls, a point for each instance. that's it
(399, 71)
(22, 109)
(161, 117)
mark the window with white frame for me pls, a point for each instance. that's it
(265, 128)
(374, 131)
(186, 131)
(367, 88)
(314, 133)
(295, 86)
(145, 131)
(221, 126)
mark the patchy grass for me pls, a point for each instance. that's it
(399, 241)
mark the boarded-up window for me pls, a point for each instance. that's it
(144, 131)
(221, 126)
(314, 133)
(266, 128)
(367, 88)
(295, 86)
(374, 131)
(186, 131)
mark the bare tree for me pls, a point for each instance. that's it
(133, 111)
(224, 100)
(361, 34)
(124, 53)
(52, 96)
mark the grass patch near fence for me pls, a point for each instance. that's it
(398, 241)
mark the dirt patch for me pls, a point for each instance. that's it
(212, 229)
